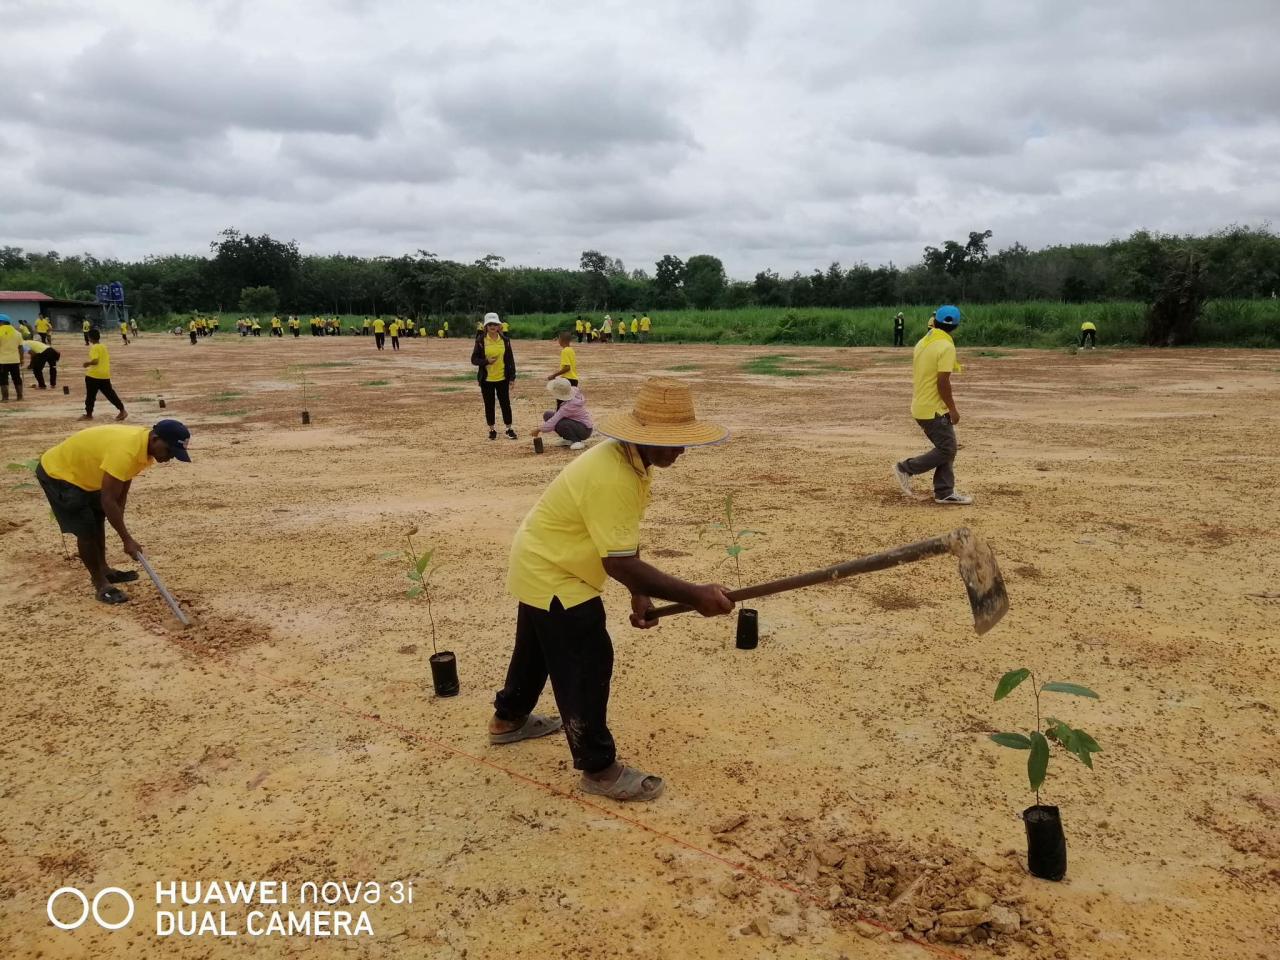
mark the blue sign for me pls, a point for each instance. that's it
(117, 291)
(103, 292)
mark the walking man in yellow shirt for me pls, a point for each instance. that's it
(379, 337)
(395, 334)
(86, 479)
(934, 407)
(10, 357)
(97, 377)
(44, 329)
(584, 530)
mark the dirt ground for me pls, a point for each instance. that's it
(292, 734)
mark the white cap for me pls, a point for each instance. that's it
(560, 388)
(491, 318)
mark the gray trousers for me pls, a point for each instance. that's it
(571, 430)
(940, 459)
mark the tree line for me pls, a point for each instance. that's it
(1238, 262)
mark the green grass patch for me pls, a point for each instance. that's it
(778, 365)
(375, 383)
(683, 367)
(234, 413)
(225, 395)
(143, 399)
(462, 377)
(448, 389)
(330, 363)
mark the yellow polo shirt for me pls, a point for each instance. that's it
(934, 354)
(37, 346)
(100, 360)
(495, 355)
(43, 326)
(644, 324)
(635, 326)
(378, 326)
(395, 329)
(10, 344)
(1088, 325)
(569, 359)
(592, 510)
(84, 458)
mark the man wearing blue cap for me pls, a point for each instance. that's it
(934, 407)
(87, 478)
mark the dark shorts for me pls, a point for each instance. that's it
(77, 511)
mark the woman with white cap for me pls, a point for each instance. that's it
(570, 420)
(495, 371)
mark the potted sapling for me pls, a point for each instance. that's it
(444, 665)
(157, 377)
(734, 544)
(300, 374)
(1046, 843)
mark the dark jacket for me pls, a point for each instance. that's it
(482, 365)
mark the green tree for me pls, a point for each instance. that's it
(259, 300)
(704, 280)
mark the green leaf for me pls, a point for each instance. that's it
(1009, 682)
(728, 509)
(1056, 686)
(1087, 742)
(389, 554)
(1017, 741)
(413, 591)
(1059, 732)
(414, 575)
(733, 551)
(1038, 762)
(425, 560)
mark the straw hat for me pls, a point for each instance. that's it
(662, 417)
(560, 388)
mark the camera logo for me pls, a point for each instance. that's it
(86, 908)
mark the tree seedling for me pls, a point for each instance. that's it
(157, 377)
(732, 542)
(1075, 742)
(299, 373)
(420, 572)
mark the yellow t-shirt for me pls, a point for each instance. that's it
(569, 359)
(366, 323)
(644, 324)
(506, 327)
(101, 364)
(495, 353)
(592, 510)
(1088, 325)
(294, 323)
(395, 329)
(440, 333)
(378, 326)
(84, 458)
(43, 326)
(85, 326)
(257, 325)
(25, 331)
(37, 346)
(934, 354)
(635, 326)
(10, 344)
(275, 322)
(577, 326)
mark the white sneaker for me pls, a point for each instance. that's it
(904, 480)
(577, 445)
(560, 442)
(956, 499)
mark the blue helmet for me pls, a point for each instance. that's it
(947, 315)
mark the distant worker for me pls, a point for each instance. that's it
(506, 327)
(84, 328)
(934, 408)
(295, 327)
(635, 328)
(645, 324)
(379, 333)
(44, 329)
(133, 327)
(366, 326)
(255, 327)
(24, 330)
(495, 371)
(97, 377)
(192, 330)
(86, 479)
(577, 328)
(570, 420)
(124, 333)
(43, 356)
(606, 329)
(568, 360)
(277, 327)
(395, 334)
(1089, 332)
(899, 330)
(10, 358)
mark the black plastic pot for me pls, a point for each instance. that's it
(306, 417)
(161, 403)
(537, 444)
(444, 673)
(748, 629)
(1046, 843)
(66, 390)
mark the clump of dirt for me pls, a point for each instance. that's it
(896, 598)
(210, 634)
(1029, 572)
(887, 889)
(1217, 535)
(72, 865)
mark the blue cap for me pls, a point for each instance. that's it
(947, 315)
(4, 318)
(175, 435)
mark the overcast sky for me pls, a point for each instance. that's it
(771, 134)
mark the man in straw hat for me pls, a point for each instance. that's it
(584, 529)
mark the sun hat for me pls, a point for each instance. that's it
(560, 388)
(492, 318)
(662, 417)
(175, 435)
(947, 314)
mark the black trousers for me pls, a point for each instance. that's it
(379, 340)
(49, 358)
(395, 343)
(501, 390)
(897, 336)
(1090, 335)
(92, 387)
(573, 649)
(45, 337)
(11, 371)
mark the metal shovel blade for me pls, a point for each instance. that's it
(981, 575)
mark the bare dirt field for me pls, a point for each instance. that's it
(839, 773)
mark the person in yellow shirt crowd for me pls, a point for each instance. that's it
(124, 333)
(84, 328)
(86, 479)
(588, 331)
(577, 328)
(192, 331)
(408, 327)
(506, 327)
(10, 358)
(645, 324)
(933, 406)
(440, 333)
(622, 330)
(445, 328)
(255, 327)
(97, 377)
(394, 330)
(295, 327)
(215, 325)
(366, 326)
(495, 371)
(24, 330)
(635, 328)
(277, 327)
(568, 360)
(422, 331)
(43, 355)
(379, 334)
(44, 329)
(1089, 331)
(583, 531)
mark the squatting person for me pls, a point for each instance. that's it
(934, 407)
(496, 371)
(570, 420)
(584, 529)
(87, 479)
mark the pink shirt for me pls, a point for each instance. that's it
(575, 408)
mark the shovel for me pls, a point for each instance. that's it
(978, 570)
(168, 597)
